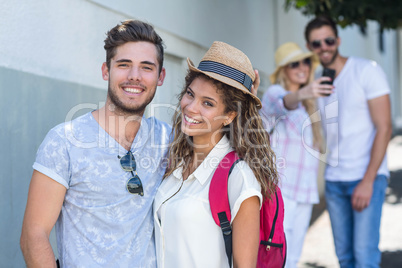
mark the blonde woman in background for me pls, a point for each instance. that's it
(287, 106)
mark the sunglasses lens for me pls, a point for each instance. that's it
(127, 162)
(294, 65)
(134, 186)
(307, 61)
(330, 41)
(316, 44)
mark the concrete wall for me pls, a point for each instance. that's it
(29, 106)
(51, 53)
(246, 25)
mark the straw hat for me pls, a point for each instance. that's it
(291, 52)
(228, 65)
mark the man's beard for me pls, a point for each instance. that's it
(332, 59)
(120, 107)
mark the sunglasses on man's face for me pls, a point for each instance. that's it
(329, 41)
(134, 184)
(296, 64)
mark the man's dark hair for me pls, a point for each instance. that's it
(318, 22)
(132, 31)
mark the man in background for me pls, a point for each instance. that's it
(356, 173)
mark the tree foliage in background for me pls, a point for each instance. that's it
(388, 13)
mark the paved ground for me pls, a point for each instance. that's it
(318, 250)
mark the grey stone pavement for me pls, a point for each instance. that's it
(318, 249)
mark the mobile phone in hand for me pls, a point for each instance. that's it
(329, 73)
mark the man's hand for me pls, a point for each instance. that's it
(380, 113)
(362, 195)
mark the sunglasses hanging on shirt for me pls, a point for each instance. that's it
(134, 184)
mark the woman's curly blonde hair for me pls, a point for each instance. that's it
(246, 134)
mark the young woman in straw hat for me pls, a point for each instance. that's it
(217, 114)
(289, 106)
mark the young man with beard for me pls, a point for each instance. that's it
(95, 177)
(356, 173)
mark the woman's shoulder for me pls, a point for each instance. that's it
(242, 185)
(242, 174)
(242, 167)
(275, 87)
(275, 90)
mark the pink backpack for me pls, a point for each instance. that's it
(272, 249)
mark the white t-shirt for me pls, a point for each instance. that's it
(186, 234)
(347, 122)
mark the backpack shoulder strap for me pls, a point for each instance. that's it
(218, 189)
(271, 235)
(219, 199)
